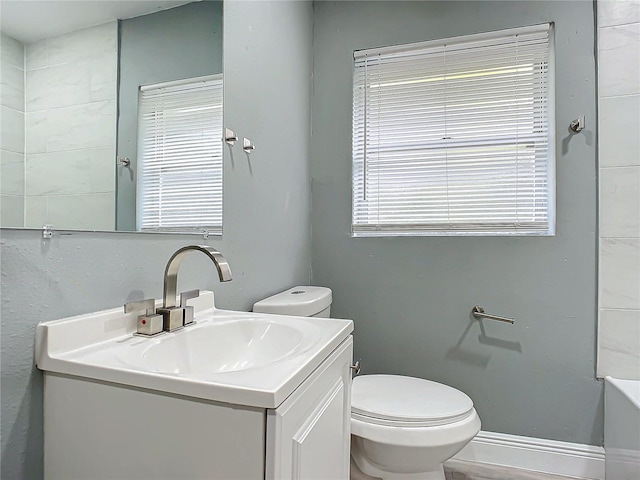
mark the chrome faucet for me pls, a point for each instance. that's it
(174, 316)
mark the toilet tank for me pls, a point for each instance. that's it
(301, 301)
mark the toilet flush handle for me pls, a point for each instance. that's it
(356, 367)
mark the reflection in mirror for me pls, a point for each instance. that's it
(71, 115)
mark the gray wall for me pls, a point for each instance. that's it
(267, 231)
(410, 298)
(183, 42)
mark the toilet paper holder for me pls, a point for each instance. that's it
(478, 313)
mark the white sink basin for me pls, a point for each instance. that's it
(223, 347)
(242, 358)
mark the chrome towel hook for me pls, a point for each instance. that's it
(247, 146)
(230, 137)
(577, 125)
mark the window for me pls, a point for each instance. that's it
(455, 136)
(179, 186)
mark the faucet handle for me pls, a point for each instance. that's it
(149, 323)
(149, 305)
(189, 312)
(184, 296)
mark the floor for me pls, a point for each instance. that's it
(460, 470)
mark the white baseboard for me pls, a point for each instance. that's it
(537, 454)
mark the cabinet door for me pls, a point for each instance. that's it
(308, 435)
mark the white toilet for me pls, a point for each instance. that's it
(402, 428)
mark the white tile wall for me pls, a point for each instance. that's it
(70, 98)
(620, 356)
(11, 130)
(618, 12)
(85, 126)
(619, 131)
(619, 61)
(620, 202)
(619, 155)
(36, 55)
(78, 212)
(71, 84)
(71, 48)
(12, 137)
(11, 173)
(71, 172)
(11, 86)
(619, 279)
(82, 44)
(11, 51)
(12, 210)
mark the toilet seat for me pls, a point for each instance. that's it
(398, 401)
(418, 436)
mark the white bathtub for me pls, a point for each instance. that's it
(622, 429)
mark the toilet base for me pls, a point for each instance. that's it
(357, 474)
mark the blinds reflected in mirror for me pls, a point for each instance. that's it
(179, 185)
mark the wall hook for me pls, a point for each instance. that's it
(577, 125)
(230, 136)
(247, 146)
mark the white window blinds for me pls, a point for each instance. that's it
(455, 136)
(179, 185)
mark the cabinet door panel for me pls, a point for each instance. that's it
(308, 435)
(316, 454)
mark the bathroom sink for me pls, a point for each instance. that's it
(243, 358)
(217, 348)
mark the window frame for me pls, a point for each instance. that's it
(381, 229)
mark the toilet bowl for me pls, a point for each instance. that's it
(402, 428)
(406, 428)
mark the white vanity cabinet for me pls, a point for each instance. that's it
(102, 430)
(308, 435)
(237, 396)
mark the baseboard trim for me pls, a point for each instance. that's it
(536, 454)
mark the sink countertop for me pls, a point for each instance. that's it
(101, 346)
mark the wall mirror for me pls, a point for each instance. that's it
(112, 115)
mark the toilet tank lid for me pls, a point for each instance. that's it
(301, 301)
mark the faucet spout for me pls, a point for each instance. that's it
(173, 265)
